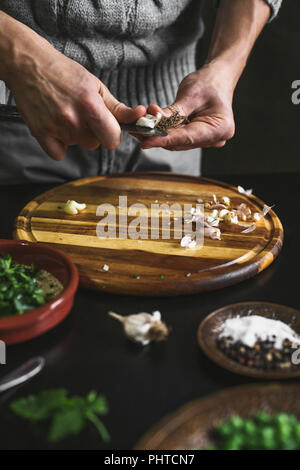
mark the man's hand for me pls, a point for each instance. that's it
(63, 104)
(206, 95)
(207, 102)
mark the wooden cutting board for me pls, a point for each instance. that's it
(149, 267)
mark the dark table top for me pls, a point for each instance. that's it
(89, 351)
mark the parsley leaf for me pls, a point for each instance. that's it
(39, 407)
(19, 287)
(66, 415)
(65, 422)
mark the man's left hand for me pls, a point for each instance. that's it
(205, 97)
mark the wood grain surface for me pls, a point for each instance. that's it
(157, 267)
(190, 427)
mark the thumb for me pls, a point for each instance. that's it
(121, 112)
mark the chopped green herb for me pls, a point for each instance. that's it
(66, 415)
(161, 276)
(19, 287)
(261, 432)
(136, 277)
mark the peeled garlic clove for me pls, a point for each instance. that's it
(223, 213)
(188, 242)
(149, 120)
(231, 218)
(214, 214)
(72, 207)
(226, 201)
(257, 216)
(210, 221)
(143, 327)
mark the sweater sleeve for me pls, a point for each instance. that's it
(274, 5)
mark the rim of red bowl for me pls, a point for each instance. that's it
(25, 319)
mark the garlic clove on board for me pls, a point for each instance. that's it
(143, 327)
(72, 207)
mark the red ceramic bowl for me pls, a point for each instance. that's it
(23, 327)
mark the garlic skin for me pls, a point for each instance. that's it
(212, 232)
(210, 221)
(247, 192)
(143, 327)
(72, 207)
(259, 215)
(249, 229)
(149, 120)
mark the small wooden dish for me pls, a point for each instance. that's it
(19, 328)
(208, 332)
(189, 428)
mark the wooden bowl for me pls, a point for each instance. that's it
(19, 328)
(189, 428)
(208, 334)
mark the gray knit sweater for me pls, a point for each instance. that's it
(139, 48)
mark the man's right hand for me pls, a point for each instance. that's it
(60, 101)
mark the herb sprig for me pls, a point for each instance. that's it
(19, 287)
(66, 415)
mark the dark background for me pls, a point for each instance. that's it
(267, 123)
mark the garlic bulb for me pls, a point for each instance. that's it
(143, 327)
(72, 207)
